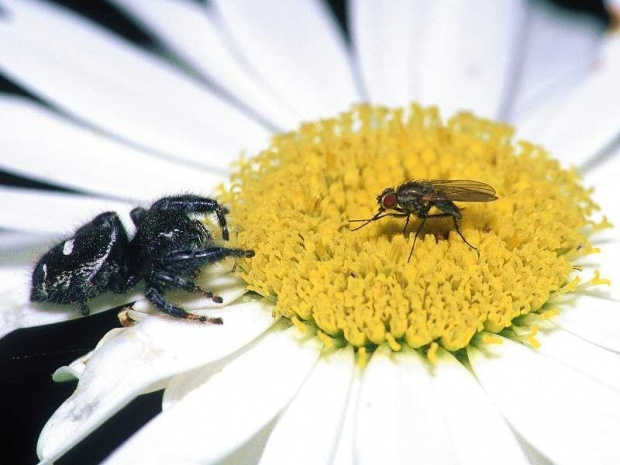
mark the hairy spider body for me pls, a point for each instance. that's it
(168, 251)
(81, 267)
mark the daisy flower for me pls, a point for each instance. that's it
(335, 348)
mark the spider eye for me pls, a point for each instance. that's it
(389, 201)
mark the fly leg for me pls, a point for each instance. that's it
(456, 226)
(450, 209)
(415, 239)
(424, 218)
(378, 216)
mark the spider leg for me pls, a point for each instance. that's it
(184, 284)
(137, 215)
(112, 277)
(157, 299)
(197, 258)
(194, 204)
(84, 308)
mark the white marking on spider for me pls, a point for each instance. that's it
(44, 282)
(67, 249)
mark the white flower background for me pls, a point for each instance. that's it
(114, 123)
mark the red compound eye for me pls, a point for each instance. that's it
(389, 201)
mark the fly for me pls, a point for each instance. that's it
(417, 196)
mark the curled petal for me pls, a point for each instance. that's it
(75, 369)
(152, 350)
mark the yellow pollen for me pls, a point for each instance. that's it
(431, 353)
(292, 204)
(490, 339)
(548, 314)
(598, 281)
(570, 286)
(327, 341)
(362, 357)
(301, 327)
(531, 337)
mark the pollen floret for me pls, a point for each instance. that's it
(293, 203)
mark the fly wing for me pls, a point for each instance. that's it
(463, 190)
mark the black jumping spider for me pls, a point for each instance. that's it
(168, 251)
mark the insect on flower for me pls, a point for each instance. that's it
(168, 251)
(417, 196)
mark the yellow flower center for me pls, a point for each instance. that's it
(293, 204)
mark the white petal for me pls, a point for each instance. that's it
(590, 359)
(387, 38)
(607, 261)
(603, 173)
(229, 287)
(593, 318)
(315, 415)
(72, 371)
(40, 144)
(150, 351)
(534, 456)
(297, 48)
(52, 212)
(16, 310)
(604, 179)
(98, 77)
(19, 248)
(588, 121)
(218, 417)
(560, 48)
(465, 404)
(184, 384)
(568, 416)
(75, 369)
(345, 448)
(10, 241)
(249, 453)
(186, 28)
(399, 420)
(469, 54)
